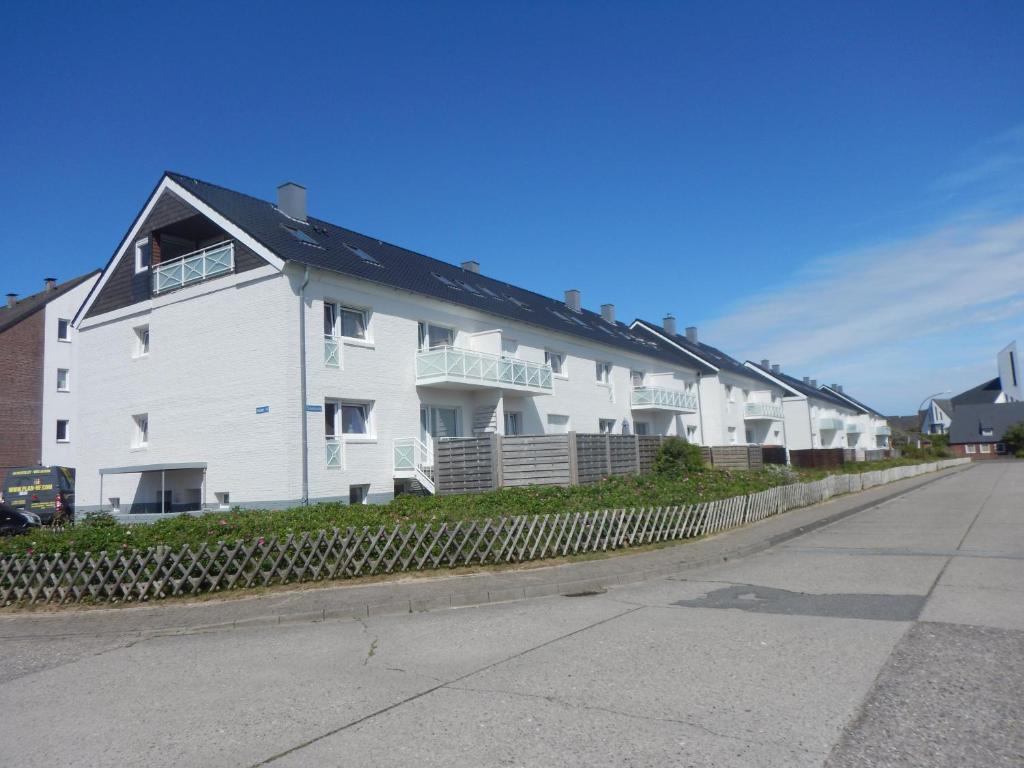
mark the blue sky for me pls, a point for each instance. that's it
(835, 186)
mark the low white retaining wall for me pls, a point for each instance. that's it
(161, 572)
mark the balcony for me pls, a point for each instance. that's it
(853, 428)
(455, 368)
(661, 399)
(762, 412)
(830, 425)
(883, 431)
(194, 267)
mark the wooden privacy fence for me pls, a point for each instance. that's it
(487, 462)
(162, 572)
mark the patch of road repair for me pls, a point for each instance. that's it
(756, 599)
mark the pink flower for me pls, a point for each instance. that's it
(29, 552)
(261, 541)
(223, 521)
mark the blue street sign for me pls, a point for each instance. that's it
(262, 409)
(314, 408)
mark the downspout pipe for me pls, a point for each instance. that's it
(700, 412)
(302, 386)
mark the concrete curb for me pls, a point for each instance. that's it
(689, 560)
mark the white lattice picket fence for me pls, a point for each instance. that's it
(162, 572)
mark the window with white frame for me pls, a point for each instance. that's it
(63, 431)
(345, 322)
(140, 435)
(556, 360)
(343, 418)
(642, 428)
(986, 448)
(606, 426)
(513, 423)
(142, 341)
(969, 448)
(509, 347)
(691, 432)
(431, 336)
(558, 424)
(603, 372)
(63, 380)
(732, 435)
(358, 494)
(986, 431)
(637, 377)
(63, 330)
(142, 255)
(115, 503)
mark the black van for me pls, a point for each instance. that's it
(47, 491)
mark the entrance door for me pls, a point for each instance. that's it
(437, 422)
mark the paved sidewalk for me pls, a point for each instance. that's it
(410, 594)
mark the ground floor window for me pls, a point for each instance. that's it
(691, 432)
(513, 423)
(642, 428)
(557, 424)
(969, 448)
(732, 435)
(437, 422)
(358, 494)
(606, 426)
(986, 448)
(1001, 448)
(750, 436)
(341, 418)
(63, 431)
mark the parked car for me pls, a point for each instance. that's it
(16, 521)
(49, 492)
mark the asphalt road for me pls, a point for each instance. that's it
(894, 637)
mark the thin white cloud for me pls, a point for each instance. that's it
(888, 312)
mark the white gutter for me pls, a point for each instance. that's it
(302, 386)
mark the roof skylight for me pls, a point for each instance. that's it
(367, 258)
(445, 281)
(469, 288)
(301, 236)
(521, 304)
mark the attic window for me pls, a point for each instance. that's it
(367, 258)
(445, 281)
(470, 288)
(578, 322)
(559, 315)
(301, 236)
(520, 304)
(490, 293)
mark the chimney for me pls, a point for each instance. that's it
(691, 333)
(766, 363)
(12, 299)
(471, 266)
(838, 388)
(814, 383)
(291, 200)
(776, 368)
(608, 313)
(50, 284)
(669, 324)
(807, 380)
(572, 299)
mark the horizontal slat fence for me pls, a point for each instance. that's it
(535, 460)
(465, 465)
(162, 572)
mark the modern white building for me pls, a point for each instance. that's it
(738, 405)
(238, 352)
(874, 431)
(816, 418)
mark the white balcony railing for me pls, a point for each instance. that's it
(762, 411)
(332, 352)
(333, 453)
(194, 267)
(442, 365)
(853, 427)
(883, 431)
(659, 398)
(415, 459)
(830, 424)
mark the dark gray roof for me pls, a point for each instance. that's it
(28, 306)
(853, 400)
(343, 251)
(714, 357)
(979, 395)
(808, 391)
(969, 420)
(945, 405)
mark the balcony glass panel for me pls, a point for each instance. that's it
(655, 398)
(766, 411)
(452, 364)
(194, 267)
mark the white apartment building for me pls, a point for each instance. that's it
(871, 429)
(738, 405)
(237, 352)
(816, 418)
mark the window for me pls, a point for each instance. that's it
(513, 423)
(438, 422)
(732, 435)
(358, 494)
(367, 258)
(115, 503)
(986, 431)
(1001, 448)
(141, 436)
(750, 436)
(986, 447)
(969, 448)
(63, 431)
(346, 419)
(301, 236)
(63, 380)
(603, 372)
(63, 329)
(691, 432)
(142, 341)
(746, 396)
(509, 347)
(606, 426)
(729, 394)
(142, 254)
(642, 428)
(344, 321)
(223, 499)
(637, 377)
(431, 336)
(557, 424)
(556, 360)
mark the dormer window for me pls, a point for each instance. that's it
(143, 253)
